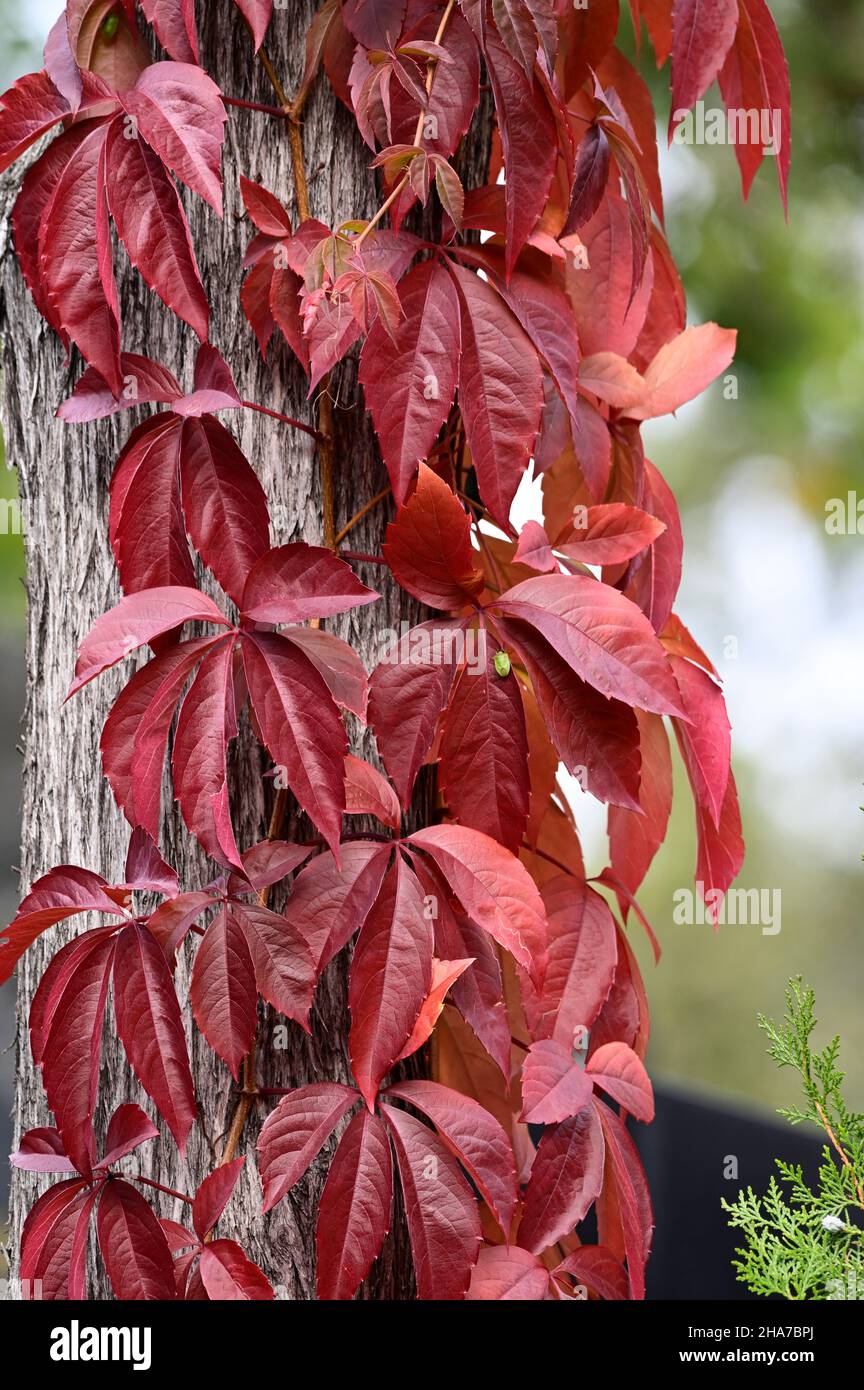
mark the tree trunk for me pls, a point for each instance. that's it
(68, 811)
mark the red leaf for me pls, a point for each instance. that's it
(267, 863)
(294, 582)
(720, 851)
(255, 297)
(390, 977)
(30, 107)
(300, 726)
(136, 620)
(41, 1151)
(624, 1217)
(428, 546)
(478, 993)
(146, 524)
(61, 893)
(37, 190)
(367, 793)
(329, 903)
(285, 308)
(373, 22)
(566, 1177)
(635, 839)
(608, 316)
(354, 1211)
(207, 724)
(171, 923)
(613, 533)
(617, 1070)
(150, 1027)
(338, 664)
(443, 1222)
(523, 24)
(702, 33)
(72, 1048)
(596, 738)
(133, 1245)
(145, 868)
(444, 974)
(506, 1272)
(582, 958)
(135, 735)
(180, 114)
(58, 973)
(284, 968)
(224, 504)
(484, 754)
(493, 887)
(706, 742)
(174, 22)
(554, 1086)
(596, 1267)
(61, 65)
(228, 1275)
(529, 138)
(589, 179)
(223, 994)
(544, 312)
(755, 77)
(473, 1136)
(654, 577)
(152, 226)
(500, 391)
(213, 1195)
(128, 1128)
(409, 690)
(257, 14)
(296, 1131)
(683, 368)
(535, 549)
(75, 254)
(409, 376)
(265, 209)
(600, 634)
(47, 1238)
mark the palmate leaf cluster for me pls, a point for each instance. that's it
(804, 1242)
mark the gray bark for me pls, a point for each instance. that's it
(68, 811)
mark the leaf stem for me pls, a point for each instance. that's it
(255, 106)
(286, 419)
(169, 1191)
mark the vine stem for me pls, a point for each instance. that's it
(285, 419)
(250, 1085)
(418, 132)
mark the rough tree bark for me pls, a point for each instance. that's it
(68, 812)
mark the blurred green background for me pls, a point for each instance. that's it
(753, 477)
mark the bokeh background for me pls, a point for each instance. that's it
(753, 476)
